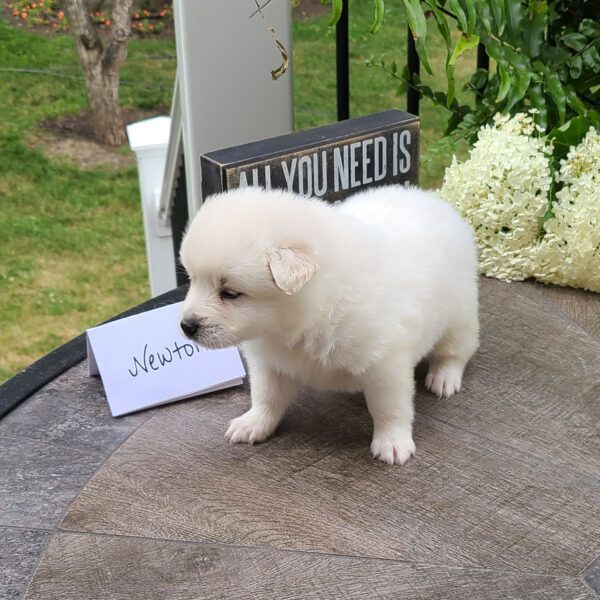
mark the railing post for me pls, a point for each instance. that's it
(483, 60)
(412, 95)
(342, 65)
(179, 220)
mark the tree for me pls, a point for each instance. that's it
(101, 55)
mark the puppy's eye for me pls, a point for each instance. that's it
(227, 294)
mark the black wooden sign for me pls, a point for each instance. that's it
(331, 162)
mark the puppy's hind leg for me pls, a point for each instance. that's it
(450, 355)
(271, 394)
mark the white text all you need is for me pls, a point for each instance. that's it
(338, 169)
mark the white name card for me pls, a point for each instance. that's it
(145, 360)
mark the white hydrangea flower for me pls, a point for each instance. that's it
(502, 189)
(583, 159)
(569, 253)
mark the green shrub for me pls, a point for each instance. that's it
(545, 56)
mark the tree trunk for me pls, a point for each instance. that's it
(102, 86)
(101, 60)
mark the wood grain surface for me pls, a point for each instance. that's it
(116, 568)
(501, 499)
(580, 306)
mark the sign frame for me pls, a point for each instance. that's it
(388, 140)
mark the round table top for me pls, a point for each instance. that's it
(501, 499)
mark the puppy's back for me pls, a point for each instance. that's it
(415, 219)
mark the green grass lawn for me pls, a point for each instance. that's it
(71, 240)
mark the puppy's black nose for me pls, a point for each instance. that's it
(189, 327)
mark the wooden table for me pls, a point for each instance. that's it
(501, 501)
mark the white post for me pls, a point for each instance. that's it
(224, 96)
(149, 140)
(224, 62)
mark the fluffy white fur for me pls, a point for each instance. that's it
(347, 297)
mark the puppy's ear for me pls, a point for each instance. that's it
(291, 268)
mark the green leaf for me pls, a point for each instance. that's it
(490, 91)
(424, 90)
(576, 41)
(495, 7)
(336, 12)
(518, 60)
(535, 27)
(486, 24)
(479, 79)
(594, 117)
(557, 92)
(441, 99)
(591, 59)
(471, 16)
(514, 15)
(589, 85)
(451, 90)
(485, 16)
(539, 66)
(460, 14)
(506, 82)
(519, 89)
(567, 135)
(470, 125)
(464, 43)
(457, 115)
(404, 77)
(418, 26)
(442, 24)
(551, 199)
(538, 101)
(495, 50)
(575, 67)
(554, 54)
(378, 18)
(589, 28)
(574, 102)
(445, 146)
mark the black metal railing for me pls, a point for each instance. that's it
(414, 68)
(342, 65)
(342, 43)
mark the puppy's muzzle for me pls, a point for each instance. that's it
(191, 327)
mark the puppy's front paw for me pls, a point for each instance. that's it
(394, 446)
(253, 426)
(444, 379)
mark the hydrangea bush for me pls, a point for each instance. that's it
(530, 219)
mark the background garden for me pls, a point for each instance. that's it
(72, 246)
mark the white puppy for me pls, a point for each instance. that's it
(346, 297)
